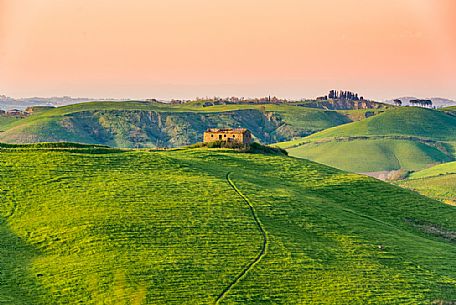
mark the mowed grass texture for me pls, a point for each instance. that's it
(372, 155)
(437, 182)
(99, 226)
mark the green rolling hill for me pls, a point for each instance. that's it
(373, 155)
(93, 225)
(148, 124)
(407, 138)
(6, 121)
(450, 109)
(437, 182)
(403, 121)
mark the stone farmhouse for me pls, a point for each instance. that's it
(14, 112)
(239, 135)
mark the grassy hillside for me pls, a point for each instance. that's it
(404, 121)
(408, 138)
(371, 155)
(442, 169)
(450, 109)
(141, 124)
(6, 121)
(361, 114)
(437, 182)
(197, 226)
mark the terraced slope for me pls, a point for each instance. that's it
(408, 138)
(437, 182)
(140, 124)
(95, 225)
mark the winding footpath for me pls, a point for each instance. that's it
(12, 211)
(264, 246)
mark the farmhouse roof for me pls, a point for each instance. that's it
(227, 130)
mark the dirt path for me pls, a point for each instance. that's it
(13, 211)
(264, 246)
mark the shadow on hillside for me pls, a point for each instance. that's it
(18, 285)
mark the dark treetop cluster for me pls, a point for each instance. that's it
(342, 95)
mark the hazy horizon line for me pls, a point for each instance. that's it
(169, 98)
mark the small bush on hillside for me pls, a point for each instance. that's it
(264, 149)
(247, 148)
(62, 146)
(52, 145)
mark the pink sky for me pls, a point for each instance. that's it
(189, 48)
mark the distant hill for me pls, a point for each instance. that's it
(149, 124)
(372, 155)
(6, 121)
(403, 121)
(408, 138)
(87, 225)
(7, 103)
(450, 110)
(437, 101)
(342, 104)
(437, 182)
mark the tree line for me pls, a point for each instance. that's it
(415, 102)
(342, 95)
(422, 103)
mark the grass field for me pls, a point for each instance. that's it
(371, 155)
(6, 121)
(99, 226)
(450, 109)
(442, 169)
(361, 114)
(403, 121)
(409, 138)
(437, 182)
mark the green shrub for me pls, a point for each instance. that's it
(247, 148)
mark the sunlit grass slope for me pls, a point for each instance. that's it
(371, 155)
(442, 169)
(450, 109)
(98, 226)
(408, 138)
(147, 124)
(437, 182)
(403, 121)
(6, 121)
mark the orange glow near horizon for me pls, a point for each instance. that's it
(188, 48)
